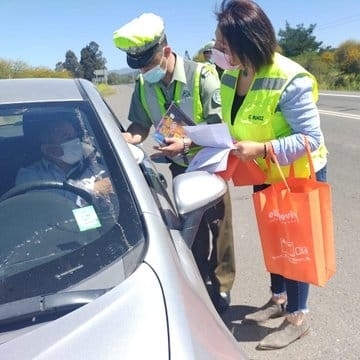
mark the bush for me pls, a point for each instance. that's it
(105, 90)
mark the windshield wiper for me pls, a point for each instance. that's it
(36, 307)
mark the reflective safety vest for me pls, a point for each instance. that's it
(187, 98)
(259, 117)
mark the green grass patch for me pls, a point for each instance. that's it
(105, 90)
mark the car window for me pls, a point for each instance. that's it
(158, 186)
(10, 126)
(61, 226)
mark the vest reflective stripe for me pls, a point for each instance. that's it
(258, 119)
(142, 95)
(259, 84)
(229, 80)
(154, 101)
(268, 84)
(198, 114)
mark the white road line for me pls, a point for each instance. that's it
(339, 114)
(341, 95)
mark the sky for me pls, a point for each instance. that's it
(40, 32)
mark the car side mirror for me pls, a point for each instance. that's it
(137, 152)
(194, 193)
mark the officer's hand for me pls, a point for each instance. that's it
(132, 139)
(173, 147)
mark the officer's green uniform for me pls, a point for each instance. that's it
(195, 88)
(147, 107)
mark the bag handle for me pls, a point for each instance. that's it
(310, 161)
(273, 157)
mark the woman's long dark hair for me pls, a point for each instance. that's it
(248, 31)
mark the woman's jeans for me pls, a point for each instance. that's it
(297, 292)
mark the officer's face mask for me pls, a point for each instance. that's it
(222, 60)
(73, 151)
(155, 74)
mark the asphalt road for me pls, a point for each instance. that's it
(334, 309)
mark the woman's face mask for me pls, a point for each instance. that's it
(73, 151)
(222, 60)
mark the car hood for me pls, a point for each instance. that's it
(128, 322)
(161, 311)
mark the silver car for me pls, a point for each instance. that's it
(86, 274)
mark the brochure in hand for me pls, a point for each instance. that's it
(217, 144)
(215, 156)
(172, 124)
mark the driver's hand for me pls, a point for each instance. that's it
(103, 186)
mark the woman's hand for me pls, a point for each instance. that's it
(249, 150)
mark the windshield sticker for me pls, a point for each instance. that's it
(86, 218)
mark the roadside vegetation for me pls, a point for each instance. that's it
(335, 68)
(105, 89)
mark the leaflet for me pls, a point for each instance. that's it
(217, 144)
(171, 124)
(210, 135)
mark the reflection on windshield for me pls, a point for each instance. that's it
(65, 214)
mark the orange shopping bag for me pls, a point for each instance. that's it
(242, 173)
(295, 225)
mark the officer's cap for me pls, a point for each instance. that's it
(208, 46)
(140, 39)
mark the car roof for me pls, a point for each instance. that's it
(39, 90)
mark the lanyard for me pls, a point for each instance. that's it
(163, 102)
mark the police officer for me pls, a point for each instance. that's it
(206, 51)
(165, 77)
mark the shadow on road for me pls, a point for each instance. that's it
(247, 332)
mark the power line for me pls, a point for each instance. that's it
(338, 22)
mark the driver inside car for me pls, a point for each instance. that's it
(66, 158)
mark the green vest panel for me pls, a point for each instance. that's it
(186, 96)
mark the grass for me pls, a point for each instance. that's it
(105, 90)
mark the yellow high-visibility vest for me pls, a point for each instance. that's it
(259, 117)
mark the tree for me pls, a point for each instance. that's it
(114, 78)
(19, 69)
(59, 66)
(72, 65)
(5, 69)
(91, 59)
(347, 57)
(298, 41)
(328, 57)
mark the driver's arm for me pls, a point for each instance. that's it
(96, 181)
(103, 186)
(27, 174)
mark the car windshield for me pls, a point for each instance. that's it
(67, 210)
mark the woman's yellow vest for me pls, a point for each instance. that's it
(259, 117)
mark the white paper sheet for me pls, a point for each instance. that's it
(217, 144)
(211, 135)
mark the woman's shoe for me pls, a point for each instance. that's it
(270, 310)
(284, 335)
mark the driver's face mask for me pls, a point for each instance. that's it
(73, 151)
